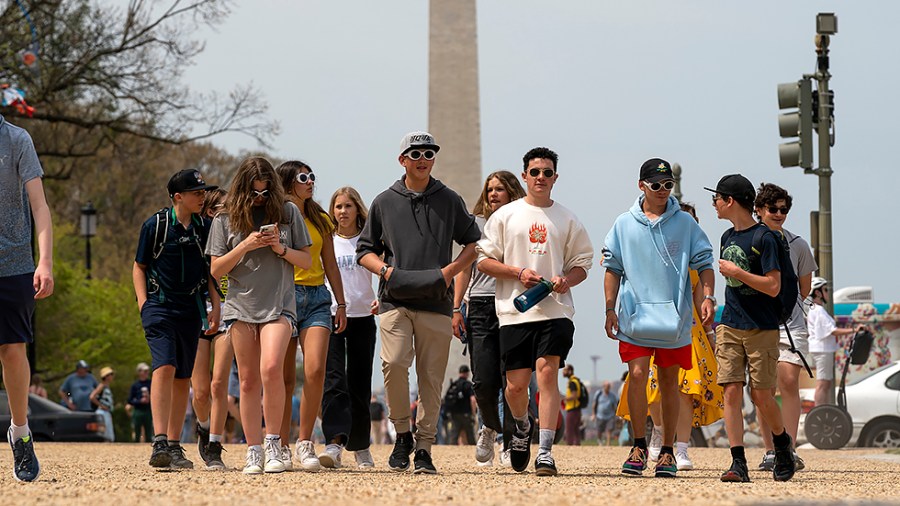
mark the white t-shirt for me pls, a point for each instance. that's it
(821, 330)
(549, 240)
(357, 281)
(804, 263)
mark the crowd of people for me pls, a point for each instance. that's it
(250, 275)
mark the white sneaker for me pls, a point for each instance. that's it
(305, 453)
(484, 448)
(504, 459)
(364, 459)
(682, 461)
(286, 458)
(331, 457)
(655, 445)
(272, 449)
(254, 461)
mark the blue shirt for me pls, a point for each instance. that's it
(606, 405)
(745, 307)
(18, 165)
(79, 390)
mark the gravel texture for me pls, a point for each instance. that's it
(118, 474)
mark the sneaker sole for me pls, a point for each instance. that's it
(253, 471)
(546, 471)
(665, 474)
(686, 467)
(328, 462)
(733, 478)
(423, 470)
(274, 469)
(777, 478)
(488, 463)
(311, 469)
(161, 461)
(632, 472)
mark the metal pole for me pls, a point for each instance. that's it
(87, 255)
(824, 171)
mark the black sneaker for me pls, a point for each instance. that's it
(202, 443)
(403, 448)
(422, 463)
(544, 465)
(214, 456)
(768, 461)
(520, 448)
(160, 456)
(25, 463)
(179, 461)
(737, 472)
(784, 464)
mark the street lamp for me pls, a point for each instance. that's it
(88, 230)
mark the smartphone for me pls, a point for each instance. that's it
(267, 229)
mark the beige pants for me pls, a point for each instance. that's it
(407, 333)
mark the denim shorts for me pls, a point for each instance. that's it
(313, 307)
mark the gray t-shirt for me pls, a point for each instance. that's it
(481, 285)
(261, 285)
(804, 264)
(18, 165)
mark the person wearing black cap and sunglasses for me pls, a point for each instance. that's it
(171, 280)
(748, 332)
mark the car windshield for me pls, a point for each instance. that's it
(871, 373)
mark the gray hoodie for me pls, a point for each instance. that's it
(415, 233)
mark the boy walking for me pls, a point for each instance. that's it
(526, 242)
(407, 241)
(748, 334)
(171, 278)
(648, 257)
(21, 282)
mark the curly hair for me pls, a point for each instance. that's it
(213, 203)
(311, 209)
(509, 182)
(768, 194)
(540, 153)
(362, 213)
(239, 205)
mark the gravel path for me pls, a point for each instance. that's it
(118, 474)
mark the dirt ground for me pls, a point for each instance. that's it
(118, 474)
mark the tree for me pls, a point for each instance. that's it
(104, 73)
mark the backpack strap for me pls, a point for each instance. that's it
(162, 227)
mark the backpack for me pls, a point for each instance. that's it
(455, 400)
(164, 218)
(583, 395)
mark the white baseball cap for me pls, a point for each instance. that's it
(418, 140)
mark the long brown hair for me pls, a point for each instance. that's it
(311, 209)
(509, 181)
(362, 213)
(239, 203)
(213, 203)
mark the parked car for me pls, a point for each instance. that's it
(51, 422)
(873, 402)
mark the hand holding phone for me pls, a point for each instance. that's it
(267, 229)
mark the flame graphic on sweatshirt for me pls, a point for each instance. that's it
(538, 233)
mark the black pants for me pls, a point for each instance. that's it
(483, 330)
(461, 423)
(348, 384)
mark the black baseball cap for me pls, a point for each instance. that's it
(187, 180)
(735, 185)
(81, 364)
(655, 170)
(463, 368)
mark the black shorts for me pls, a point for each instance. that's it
(521, 345)
(172, 336)
(16, 308)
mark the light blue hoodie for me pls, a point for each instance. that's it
(654, 259)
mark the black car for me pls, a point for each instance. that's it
(51, 422)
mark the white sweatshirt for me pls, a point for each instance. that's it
(549, 240)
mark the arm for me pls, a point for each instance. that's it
(499, 270)
(95, 394)
(334, 279)
(43, 274)
(463, 260)
(769, 284)
(373, 263)
(139, 278)
(561, 284)
(805, 285)
(461, 283)
(611, 282)
(215, 301)
(708, 284)
(222, 265)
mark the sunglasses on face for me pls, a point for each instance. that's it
(655, 187)
(303, 177)
(415, 154)
(718, 197)
(548, 173)
(776, 210)
(260, 194)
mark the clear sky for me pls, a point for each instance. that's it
(605, 84)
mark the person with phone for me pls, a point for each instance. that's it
(260, 306)
(475, 321)
(314, 321)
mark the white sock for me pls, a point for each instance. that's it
(19, 432)
(658, 428)
(681, 447)
(215, 438)
(522, 423)
(256, 447)
(547, 436)
(205, 424)
(274, 437)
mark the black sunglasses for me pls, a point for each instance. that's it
(776, 210)
(303, 177)
(415, 154)
(548, 173)
(655, 187)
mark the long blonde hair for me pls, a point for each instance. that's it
(239, 203)
(509, 181)
(362, 213)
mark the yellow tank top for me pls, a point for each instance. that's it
(315, 275)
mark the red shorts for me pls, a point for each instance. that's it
(663, 357)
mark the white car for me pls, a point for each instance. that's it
(873, 402)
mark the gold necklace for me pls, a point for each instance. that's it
(342, 236)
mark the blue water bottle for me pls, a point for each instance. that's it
(533, 295)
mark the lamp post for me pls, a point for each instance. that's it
(594, 359)
(88, 230)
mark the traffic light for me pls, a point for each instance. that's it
(798, 123)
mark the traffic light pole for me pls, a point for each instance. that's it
(824, 170)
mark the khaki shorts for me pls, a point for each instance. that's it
(740, 350)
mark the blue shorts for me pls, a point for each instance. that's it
(172, 336)
(16, 308)
(313, 307)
